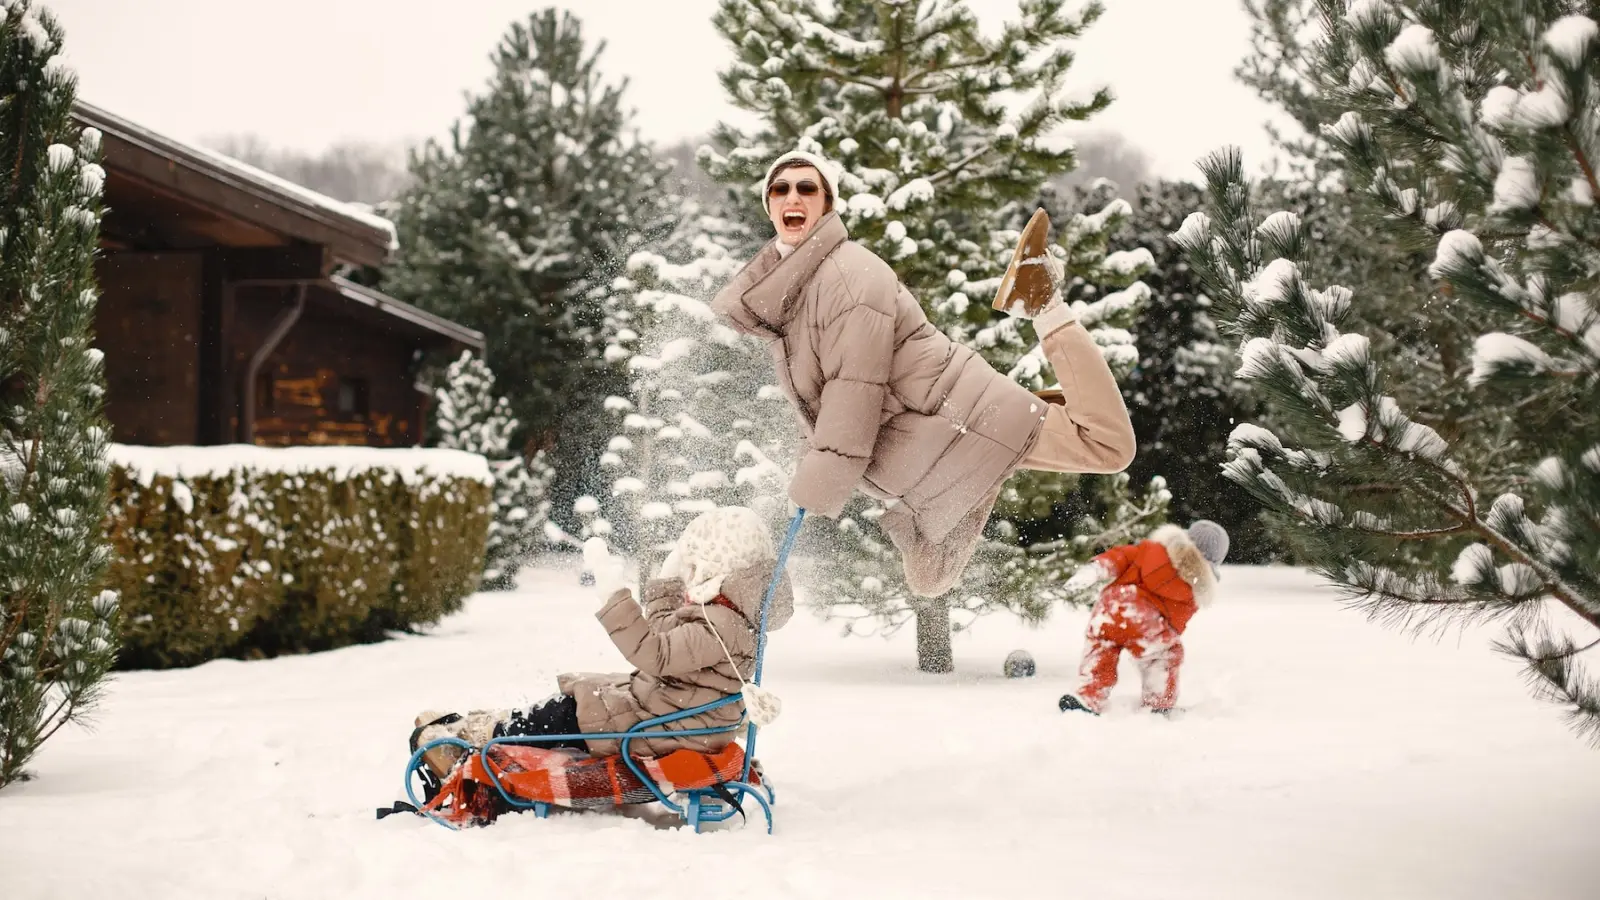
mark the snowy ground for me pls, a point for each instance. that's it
(1323, 756)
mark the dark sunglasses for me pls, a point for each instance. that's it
(805, 188)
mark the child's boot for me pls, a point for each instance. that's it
(1071, 703)
(476, 728)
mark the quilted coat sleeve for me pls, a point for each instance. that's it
(1117, 560)
(665, 647)
(857, 352)
(662, 597)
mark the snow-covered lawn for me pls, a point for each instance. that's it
(1322, 756)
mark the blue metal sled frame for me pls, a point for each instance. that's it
(700, 805)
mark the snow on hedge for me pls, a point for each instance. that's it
(411, 464)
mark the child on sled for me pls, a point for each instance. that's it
(692, 642)
(1152, 589)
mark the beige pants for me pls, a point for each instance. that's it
(1087, 428)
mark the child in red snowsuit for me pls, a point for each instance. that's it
(1156, 585)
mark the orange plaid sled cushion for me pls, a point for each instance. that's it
(570, 778)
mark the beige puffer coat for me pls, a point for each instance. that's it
(679, 663)
(888, 403)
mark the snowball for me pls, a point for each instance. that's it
(626, 485)
(655, 511)
(586, 505)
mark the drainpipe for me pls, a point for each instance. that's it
(280, 328)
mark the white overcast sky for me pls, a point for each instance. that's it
(307, 73)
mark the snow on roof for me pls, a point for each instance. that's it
(304, 194)
(410, 463)
(228, 166)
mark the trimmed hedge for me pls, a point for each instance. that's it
(249, 551)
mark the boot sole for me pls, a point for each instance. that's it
(1032, 283)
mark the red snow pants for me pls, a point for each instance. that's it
(1122, 620)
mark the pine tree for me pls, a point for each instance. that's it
(1400, 313)
(58, 634)
(1472, 125)
(471, 417)
(938, 178)
(699, 423)
(518, 224)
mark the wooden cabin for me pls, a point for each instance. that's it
(224, 316)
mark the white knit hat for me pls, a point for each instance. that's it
(716, 544)
(828, 171)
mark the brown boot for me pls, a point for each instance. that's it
(430, 726)
(1028, 284)
(476, 728)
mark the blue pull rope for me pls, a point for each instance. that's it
(772, 589)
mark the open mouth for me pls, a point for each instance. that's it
(794, 218)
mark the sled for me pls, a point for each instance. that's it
(514, 773)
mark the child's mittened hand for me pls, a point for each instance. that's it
(608, 570)
(1090, 576)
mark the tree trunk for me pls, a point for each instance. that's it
(934, 653)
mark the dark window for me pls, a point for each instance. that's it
(353, 397)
